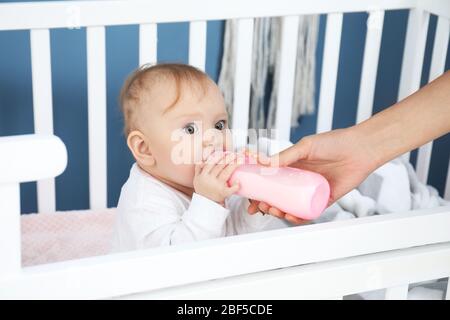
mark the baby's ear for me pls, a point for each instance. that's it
(140, 148)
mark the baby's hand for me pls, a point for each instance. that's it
(211, 176)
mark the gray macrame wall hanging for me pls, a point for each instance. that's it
(265, 63)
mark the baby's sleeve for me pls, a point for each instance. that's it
(160, 222)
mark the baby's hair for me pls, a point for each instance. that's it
(143, 78)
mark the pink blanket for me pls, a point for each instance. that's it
(59, 236)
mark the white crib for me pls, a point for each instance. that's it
(313, 261)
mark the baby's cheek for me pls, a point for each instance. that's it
(182, 174)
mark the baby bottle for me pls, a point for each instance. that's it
(301, 193)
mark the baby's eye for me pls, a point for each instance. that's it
(221, 125)
(190, 128)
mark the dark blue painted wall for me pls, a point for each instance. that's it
(70, 92)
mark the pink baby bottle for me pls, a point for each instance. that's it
(301, 193)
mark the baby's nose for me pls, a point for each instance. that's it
(212, 140)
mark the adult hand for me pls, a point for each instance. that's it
(345, 157)
(341, 156)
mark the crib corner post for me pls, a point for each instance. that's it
(10, 254)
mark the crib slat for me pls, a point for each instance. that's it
(413, 53)
(148, 37)
(10, 254)
(42, 106)
(197, 44)
(289, 39)
(440, 48)
(42, 80)
(423, 161)
(242, 79)
(97, 116)
(370, 65)
(437, 68)
(397, 293)
(329, 72)
(416, 36)
(112, 12)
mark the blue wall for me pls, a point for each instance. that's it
(70, 92)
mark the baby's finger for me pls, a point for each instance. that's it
(226, 160)
(263, 207)
(211, 162)
(277, 213)
(226, 173)
(206, 152)
(218, 166)
(233, 189)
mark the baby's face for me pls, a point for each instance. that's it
(187, 132)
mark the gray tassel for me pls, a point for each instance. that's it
(265, 61)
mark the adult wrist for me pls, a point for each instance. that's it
(369, 143)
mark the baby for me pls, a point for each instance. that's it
(177, 192)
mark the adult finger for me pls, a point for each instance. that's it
(263, 207)
(295, 220)
(276, 212)
(298, 151)
(253, 207)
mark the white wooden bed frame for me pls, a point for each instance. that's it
(327, 260)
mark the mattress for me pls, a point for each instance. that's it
(65, 235)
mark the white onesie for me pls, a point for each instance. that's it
(151, 213)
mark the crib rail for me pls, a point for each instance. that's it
(23, 158)
(63, 14)
(159, 268)
(327, 280)
(31, 157)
